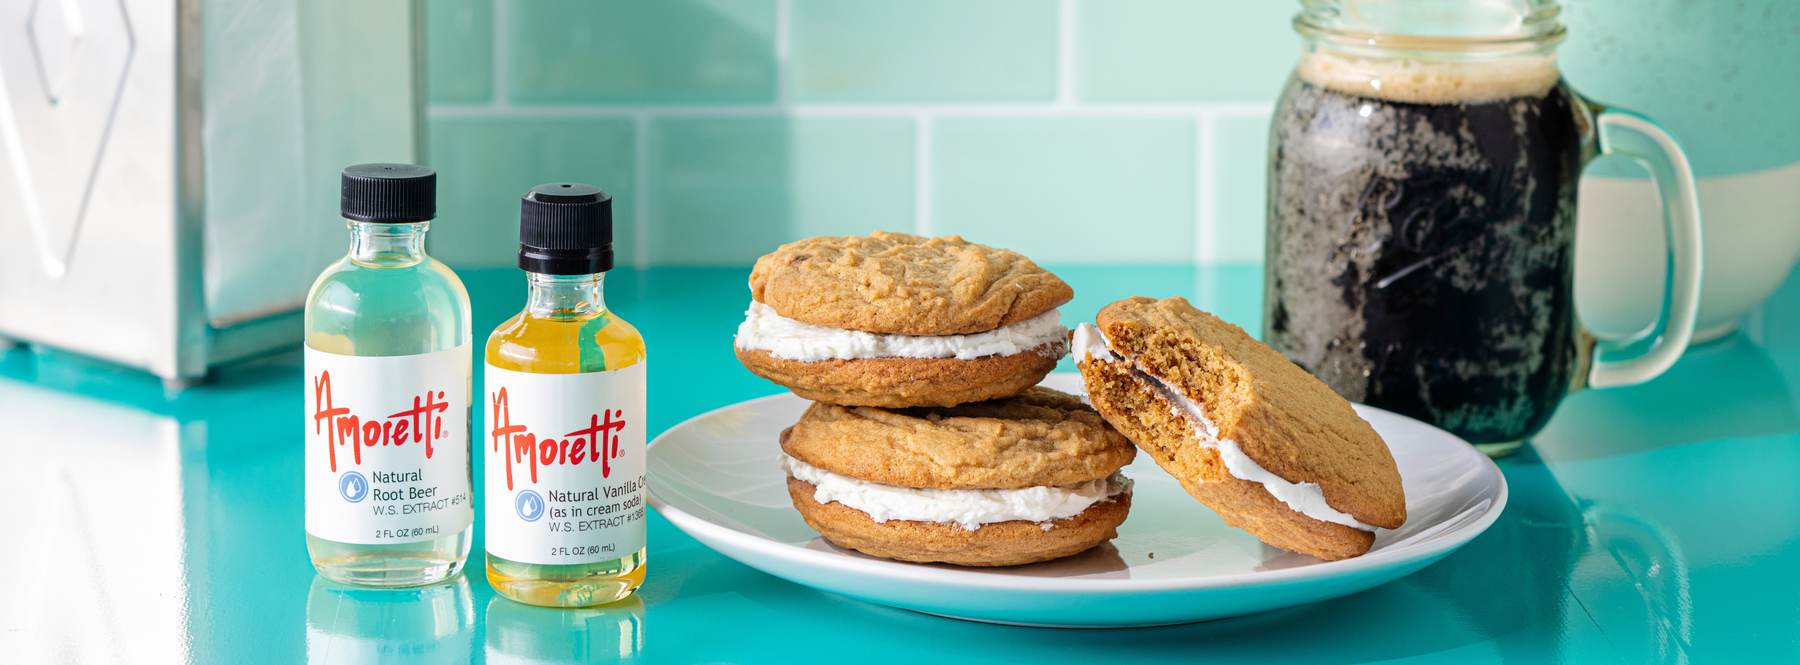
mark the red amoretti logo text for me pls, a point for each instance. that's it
(598, 442)
(340, 427)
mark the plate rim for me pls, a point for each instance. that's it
(975, 579)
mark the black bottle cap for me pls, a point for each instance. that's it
(389, 193)
(565, 228)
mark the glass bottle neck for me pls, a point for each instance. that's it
(566, 296)
(387, 245)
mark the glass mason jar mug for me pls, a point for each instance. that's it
(1423, 170)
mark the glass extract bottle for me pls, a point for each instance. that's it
(565, 403)
(388, 486)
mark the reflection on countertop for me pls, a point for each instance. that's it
(95, 529)
(1656, 523)
(520, 633)
(358, 626)
(1726, 389)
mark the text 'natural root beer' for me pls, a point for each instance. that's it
(565, 407)
(388, 487)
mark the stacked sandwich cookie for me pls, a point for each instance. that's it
(1263, 443)
(927, 441)
(1020, 479)
(897, 320)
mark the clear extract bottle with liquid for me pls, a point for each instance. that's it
(565, 406)
(388, 482)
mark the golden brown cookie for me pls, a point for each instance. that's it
(996, 544)
(1281, 417)
(1241, 503)
(1039, 437)
(904, 382)
(904, 284)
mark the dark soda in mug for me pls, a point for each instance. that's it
(1421, 220)
(1421, 242)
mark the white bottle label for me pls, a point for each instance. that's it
(565, 465)
(387, 447)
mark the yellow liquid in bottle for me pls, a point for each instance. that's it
(566, 342)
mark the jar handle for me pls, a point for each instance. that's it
(1634, 136)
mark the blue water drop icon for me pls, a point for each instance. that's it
(529, 505)
(353, 486)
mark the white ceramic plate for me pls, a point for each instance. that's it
(715, 477)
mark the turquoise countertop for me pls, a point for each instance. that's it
(1656, 523)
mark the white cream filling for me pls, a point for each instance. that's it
(1305, 498)
(1089, 343)
(786, 338)
(968, 509)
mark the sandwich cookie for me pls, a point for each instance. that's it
(1260, 441)
(1028, 478)
(897, 320)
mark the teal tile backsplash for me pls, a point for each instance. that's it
(1081, 132)
(1068, 190)
(460, 51)
(1238, 200)
(673, 51)
(718, 187)
(924, 50)
(1162, 50)
(850, 175)
(485, 165)
(724, 191)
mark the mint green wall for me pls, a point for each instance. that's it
(1722, 75)
(1077, 131)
